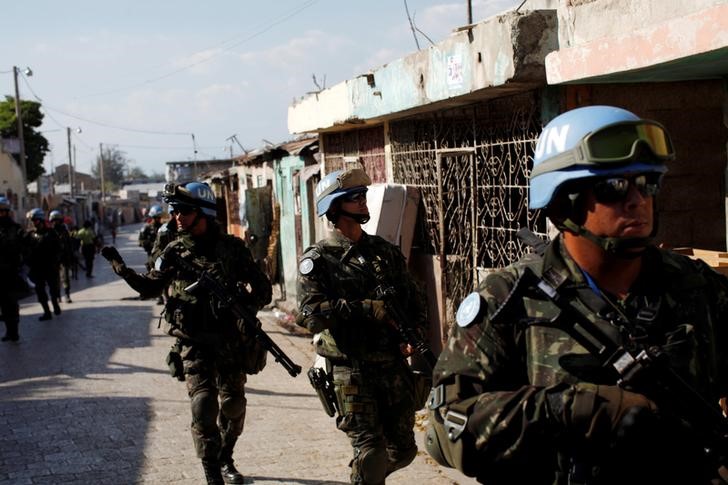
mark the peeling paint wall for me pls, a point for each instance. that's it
(582, 21)
(505, 49)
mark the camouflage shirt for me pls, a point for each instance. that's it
(503, 372)
(46, 250)
(148, 234)
(13, 243)
(199, 316)
(335, 275)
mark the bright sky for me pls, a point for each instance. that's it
(144, 75)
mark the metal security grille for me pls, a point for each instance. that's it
(471, 166)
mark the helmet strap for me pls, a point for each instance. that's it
(360, 218)
(617, 246)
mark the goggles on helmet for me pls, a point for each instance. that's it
(610, 190)
(613, 144)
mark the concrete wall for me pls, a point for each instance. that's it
(582, 21)
(507, 51)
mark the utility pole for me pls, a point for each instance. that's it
(101, 172)
(470, 12)
(21, 139)
(70, 162)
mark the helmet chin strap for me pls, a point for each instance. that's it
(360, 218)
(617, 246)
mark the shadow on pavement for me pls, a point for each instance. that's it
(255, 479)
(97, 440)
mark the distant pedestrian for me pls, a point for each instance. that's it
(12, 239)
(89, 241)
(44, 263)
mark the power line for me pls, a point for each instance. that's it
(106, 125)
(263, 30)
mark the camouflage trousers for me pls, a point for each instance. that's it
(217, 400)
(378, 415)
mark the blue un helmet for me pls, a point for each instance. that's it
(156, 211)
(195, 195)
(55, 216)
(36, 213)
(339, 184)
(596, 141)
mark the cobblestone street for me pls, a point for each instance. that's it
(85, 398)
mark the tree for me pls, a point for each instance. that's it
(115, 167)
(137, 174)
(36, 145)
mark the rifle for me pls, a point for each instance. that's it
(403, 324)
(645, 370)
(251, 325)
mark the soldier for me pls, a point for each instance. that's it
(148, 233)
(12, 240)
(517, 398)
(67, 251)
(337, 280)
(44, 263)
(209, 346)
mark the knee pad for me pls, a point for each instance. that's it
(399, 459)
(233, 407)
(370, 465)
(204, 409)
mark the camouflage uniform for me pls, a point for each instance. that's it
(513, 378)
(44, 263)
(147, 237)
(12, 243)
(373, 383)
(66, 258)
(208, 338)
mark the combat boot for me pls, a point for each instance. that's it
(56, 306)
(11, 332)
(212, 472)
(46, 312)
(230, 474)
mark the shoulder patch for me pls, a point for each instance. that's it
(306, 266)
(469, 309)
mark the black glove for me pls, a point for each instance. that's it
(111, 254)
(599, 411)
(113, 257)
(377, 309)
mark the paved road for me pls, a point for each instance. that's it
(85, 399)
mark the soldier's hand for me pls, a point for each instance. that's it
(111, 254)
(596, 411)
(376, 309)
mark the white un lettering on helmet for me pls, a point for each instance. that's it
(205, 193)
(552, 141)
(322, 186)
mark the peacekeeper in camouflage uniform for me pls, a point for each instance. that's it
(148, 233)
(44, 262)
(12, 243)
(516, 398)
(208, 340)
(336, 291)
(67, 252)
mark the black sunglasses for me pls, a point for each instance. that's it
(183, 210)
(356, 197)
(615, 189)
